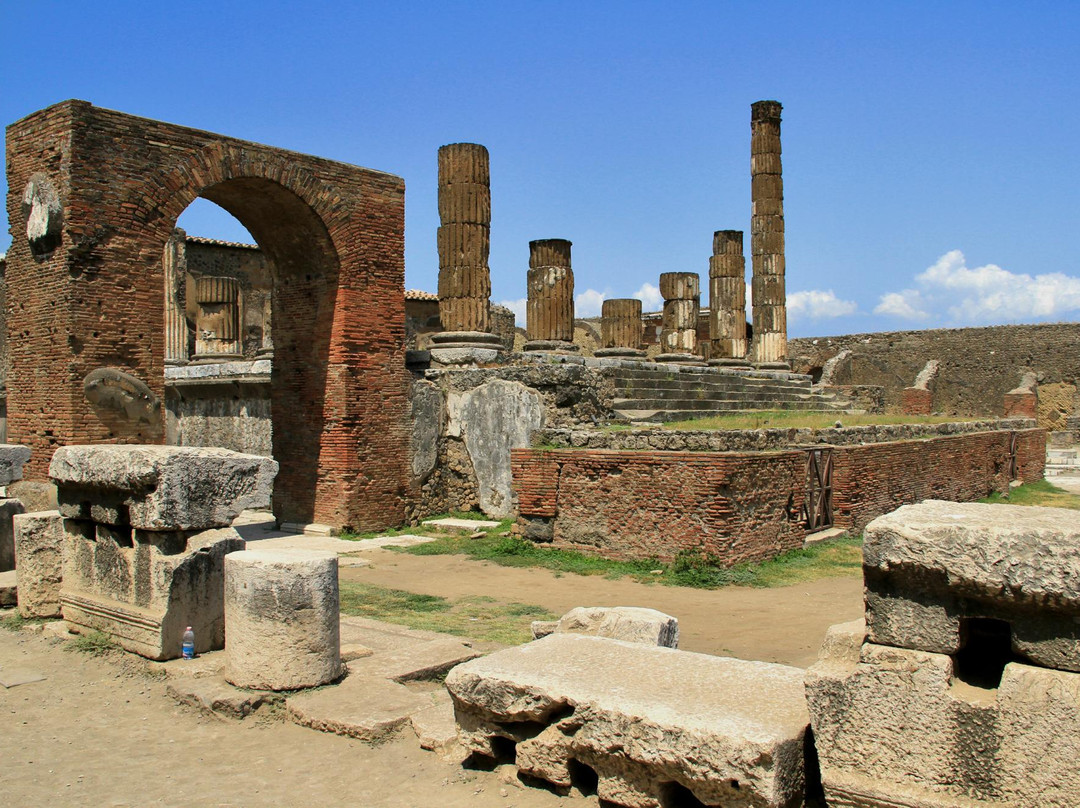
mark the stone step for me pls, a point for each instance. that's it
(719, 404)
(659, 416)
(1061, 471)
(704, 380)
(700, 372)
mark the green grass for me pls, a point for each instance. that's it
(95, 643)
(796, 419)
(1041, 493)
(479, 618)
(701, 571)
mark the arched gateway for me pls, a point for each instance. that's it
(93, 197)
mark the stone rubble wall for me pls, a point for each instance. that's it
(978, 366)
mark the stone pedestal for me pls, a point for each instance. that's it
(727, 300)
(621, 328)
(550, 308)
(463, 242)
(39, 557)
(282, 619)
(767, 238)
(145, 536)
(682, 303)
(217, 327)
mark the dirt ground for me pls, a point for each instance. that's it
(98, 732)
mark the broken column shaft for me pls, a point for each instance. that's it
(682, 303)
(727, 299)
(550, 308)
(620, 328)
(767, 237)
(174, 264)
(464, 239)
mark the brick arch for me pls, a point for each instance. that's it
(333, 235)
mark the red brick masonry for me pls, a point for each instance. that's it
(745, 506)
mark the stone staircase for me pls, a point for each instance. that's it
(675, 393)
(1062, 462)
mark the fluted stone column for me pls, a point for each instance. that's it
(174, 264)
(549, 321)
(217, 326)
(767, 237)
(682, 303)
(620, 328)
(727, 299)
(464, 239)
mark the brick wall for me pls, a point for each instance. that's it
(625, 504)
(739, 506)
(333, 235)
(872, 480)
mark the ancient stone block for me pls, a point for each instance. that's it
(493, 419)
(729, 732)
(899, 727)
(39, 556)
(936, 572)
(12, 458)
(282, 619)
(8, 509)
(159, 487)
(143, 588)
(627, 623)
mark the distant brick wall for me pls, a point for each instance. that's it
(626, 504)
(872, 480)
(333, 235)
(744, 506)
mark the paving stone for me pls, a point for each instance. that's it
(213, 694)
(370, 709)
(416, 662)
(435, 726)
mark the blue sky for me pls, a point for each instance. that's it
(930, 149)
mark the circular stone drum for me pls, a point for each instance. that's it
(281, 619)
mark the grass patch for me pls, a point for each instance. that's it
(795, 419)
(697, 570)
(480, 618)
(1041, 493)
(95, 643)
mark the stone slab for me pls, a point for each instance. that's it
(416, 662)
(929, 567)
(371, 710)
(159, 487)
(893, 727)
(39, 556)
(212, 694)
(642, 717)
(14, 677)
(9, 589)
(435, 726)
(629, 623)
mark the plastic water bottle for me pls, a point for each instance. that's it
(189, 644)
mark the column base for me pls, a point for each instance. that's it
(625, 353)
(729, 362)
(772, 366)
(679, 359)
(464, 347)
(551, 346)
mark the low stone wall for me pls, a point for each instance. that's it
(746, 505)
(226, 405)
(628, 504)
(761, 440)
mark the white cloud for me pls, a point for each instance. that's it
(518, 307)
(588, 303)
(650, 297)
(950, 290)
(907, 305)
(818, 305)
